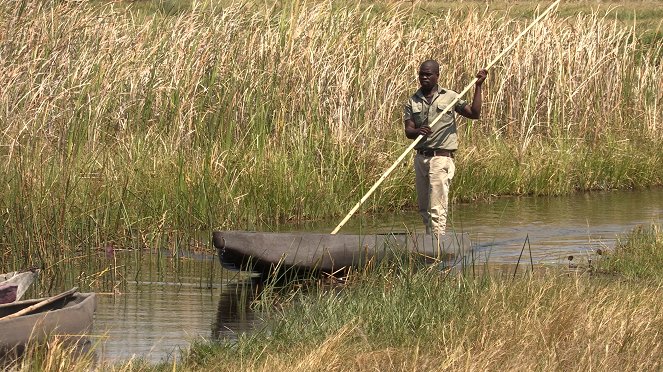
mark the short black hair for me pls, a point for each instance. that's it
(432, 64)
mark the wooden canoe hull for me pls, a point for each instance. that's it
(71, 316)
(261, 252)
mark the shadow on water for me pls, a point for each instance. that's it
(234, 314)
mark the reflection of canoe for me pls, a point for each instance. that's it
(70, 315)
(262, 252)
(13, 285)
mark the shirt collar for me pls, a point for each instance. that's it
(440, 91)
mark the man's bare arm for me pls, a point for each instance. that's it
(412, 132)
(473, 111)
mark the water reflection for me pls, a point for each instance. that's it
(234, 314)
(156, 320)
(557, 226)
(152, 322)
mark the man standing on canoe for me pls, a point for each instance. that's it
(434, 162)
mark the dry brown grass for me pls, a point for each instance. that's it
(315, 68)
(548, 323)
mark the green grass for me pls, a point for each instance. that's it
(146, 125)
(399, 315)
(399, 319)
(637, 255)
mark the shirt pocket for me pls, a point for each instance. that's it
(447, 118)
(418, 114)
(441, 106)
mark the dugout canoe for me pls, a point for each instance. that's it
(68, 316)
(13, 285)
(262, 252)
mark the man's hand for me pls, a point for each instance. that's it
(473, 111)
(425, 130)
(412, 132)
(481, 76)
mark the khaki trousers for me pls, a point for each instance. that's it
(433, 177)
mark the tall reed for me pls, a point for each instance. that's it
(133, 129)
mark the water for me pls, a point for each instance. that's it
(154, 321)
(557, 227)
(553, 227)
(160, 313)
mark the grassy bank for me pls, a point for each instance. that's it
(149, 129)
(604, 318)
(393, 318)
(639, 255)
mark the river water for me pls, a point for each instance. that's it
(162, 311)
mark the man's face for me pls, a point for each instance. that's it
(427, 77)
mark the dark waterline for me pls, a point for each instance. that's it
(158, 316)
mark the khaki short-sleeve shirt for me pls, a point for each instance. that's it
(444, 135)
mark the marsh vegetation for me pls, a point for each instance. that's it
(144, 129)
(145, 126)
(397, 316)
(595, 316)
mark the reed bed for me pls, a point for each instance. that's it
(146, 130)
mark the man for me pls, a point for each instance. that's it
(434, 162)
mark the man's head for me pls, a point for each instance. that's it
(429, 73)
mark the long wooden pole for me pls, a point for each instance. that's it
(446, 109)
(40, 304)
